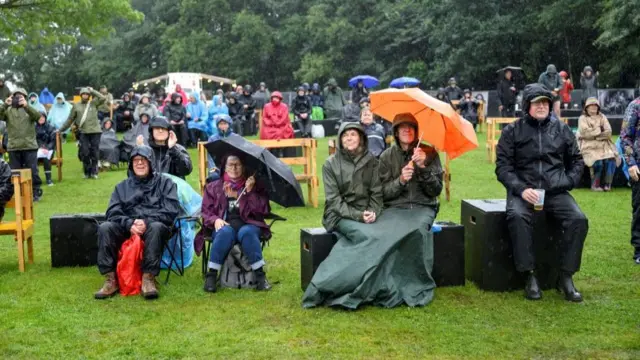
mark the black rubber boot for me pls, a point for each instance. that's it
(531, 289)
(565, 286)
(261, 280)
(211, 281)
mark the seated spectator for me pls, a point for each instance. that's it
(247, 125)
(145, 204)
(301, 108)
(468, 107)
(350, 113)
(46, 138)
(177, 115)
(140, 130)
(6, 186)
(539, 152)
(596, 146)
(124, 113)
(145, 107)
(235, 111)
(110, 145)
(317, 100)
(375, 133)
(223, 126)
(183, 95)
(196, 120)
(217, 107)
(275, 120)
(234, 208)
(34, 102)
(170, 157)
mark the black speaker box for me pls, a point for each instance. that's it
(74, 239)
(448, 255)
(315, 246)
(488, 250)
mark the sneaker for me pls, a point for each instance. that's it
(637, 260)
(94, 176)
(49, 182)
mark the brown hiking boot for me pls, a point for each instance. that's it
(109, 288)
(149, 290)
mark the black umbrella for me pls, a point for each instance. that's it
(282, 185)
(518, 77)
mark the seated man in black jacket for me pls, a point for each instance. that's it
(540, 152)
(145, 204)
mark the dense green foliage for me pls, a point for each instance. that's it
(284, 42)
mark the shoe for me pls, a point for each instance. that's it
(531, 289)
(211, 281)
(596, 189)
(565, 286)
(49, 182)
(607, 188)
(37, 199)
(109, 288)
(261, 280)
(637, 260)
(149, 290)
(94, 176)
(86, 176)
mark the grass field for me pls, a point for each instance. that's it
(50, 313)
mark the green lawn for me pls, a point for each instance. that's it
(50, 313)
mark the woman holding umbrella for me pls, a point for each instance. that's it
(234, 208)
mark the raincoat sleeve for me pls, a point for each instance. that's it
(585, 131)
(391, 186)
(606, 127)
(34, 115)
(628, 134)
(170, 205)
(430, 178)
(72, 116)
(6, 186)
(255, 205)
(335, 206)
(98, 98)
(375, 201)
(208, 209)
(506, 163)
(115, 212)
(180, 161)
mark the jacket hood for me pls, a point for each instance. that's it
(332, 82)
(277, 94)
(551, 69)
(364, 141)
(175, 96)
(405, 118)
(104, 123)
(20, 91)
(145, 95)
(590, 101)
(85, 90)
(223, 117)
(60, 96)
(531, 92)
(37, 98)
(178, 87)
(159, 122)
(147, 153)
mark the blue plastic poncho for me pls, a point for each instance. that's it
(198, 114)
(217, 107)
(59, 113)
(36, 103)
(46, 97)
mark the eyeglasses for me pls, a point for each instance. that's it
(234, 166)
(138, 161)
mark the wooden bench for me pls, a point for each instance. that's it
(307, 160)
(22, 227)
(56, 160)
(494, 131)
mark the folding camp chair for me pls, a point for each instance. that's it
(173, 256)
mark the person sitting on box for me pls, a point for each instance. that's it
(145, 204)
(538, 162)
(6, 186)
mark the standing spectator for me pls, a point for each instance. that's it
(333, 100)
(630, 139)
(359, 92)
(567, 88)
(507, 95)
(588, 84)
(262, 95)
(6, 186)
(453, 91)
(552, 81)
(105, 109)
(177, 114)
(375, 133)
(248, 111)
(145, 107)
(4, 89)
(85, 115)
(301, 107)
(469, 108)
(34, 102)
(22, 145)
(46, 138)
(59, 112)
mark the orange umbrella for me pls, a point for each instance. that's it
(439, 124)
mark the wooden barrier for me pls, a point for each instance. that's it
(493, 132)
(22, 227)
(57, 159)
(307, 160)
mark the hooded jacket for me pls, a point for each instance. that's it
(538, 154)
(211, 165)
(629, 135)
(199, 114)
(453, 92)
(594, 134)
(91, 124)
(247, 100)
(21, 129)
(59, 113)
(235, 109)
(182, 94)
(36, 103)
(358, 93)
(139, 128)
(551, 79)
(152, 199)
(126, 105)
(351, 182)
(301, 105)
(442, 96)
(589, 84)
(506, 96)
(46, 136)
(375, 138)
(426, 184)
(333, 98)
(215, 109)
(174, 161)
(148, 108)
(110, 146)
(46, 97)
(275, 121)
(173, 111)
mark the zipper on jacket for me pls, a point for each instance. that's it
(540, 153)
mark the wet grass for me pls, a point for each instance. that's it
(50, 313)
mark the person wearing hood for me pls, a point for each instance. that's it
(105, 109)
(301, 107)
(176, 113)
(145, 106)
(145, 204)
(375, 132)
(275, 120)
(59, 112)
(235, 111)
(138, 134)
(262, 95)
(46, 138)
(158, 97)
(469, 108)
(133, 97)
(183, 95)
(217, 107)
(453, 91)
(333, 100)
(551, 80)
(359, 92)
(84, 115)
(34, 102)
(46, 97)
(589, 84)
(4, 89)
(442, 96)
(109, 145)
(507, 95)
(597, 148)
(248, 110)
(170, 157)
(223, 127)
(123, 115)
(317, 102)
(567, 88)
(233, 210)
(21, 132)
(540, 153)
(196, 120)
(630, 144)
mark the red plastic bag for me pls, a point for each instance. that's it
(129, 269)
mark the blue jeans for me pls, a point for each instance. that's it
(249, 239)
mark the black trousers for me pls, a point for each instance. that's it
(238, 125)
(181, 134)
(112, 235)
(89, 152)
(564, 210)
(508, 111)
(27, 159)
(635, 222)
